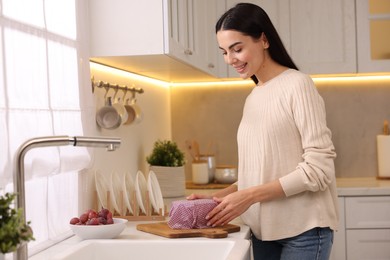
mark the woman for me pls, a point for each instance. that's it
(286, 190)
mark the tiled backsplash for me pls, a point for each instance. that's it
(355, 113)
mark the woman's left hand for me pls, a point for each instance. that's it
(229, 208)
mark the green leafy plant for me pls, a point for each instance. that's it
(166, 153)
(13, 230)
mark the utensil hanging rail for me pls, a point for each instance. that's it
(106, 85)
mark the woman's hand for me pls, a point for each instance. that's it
(229, 208)
(234, 204)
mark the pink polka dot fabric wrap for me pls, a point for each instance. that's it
(189, 214)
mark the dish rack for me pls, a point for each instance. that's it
(149, 215)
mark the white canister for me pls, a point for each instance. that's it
(200, 172)
(383, 153)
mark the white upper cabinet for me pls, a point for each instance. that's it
(333, 36)
(122, 27)
(323, 38)
(319, 35)
(134, 35)
(174, 40)
(373, 23)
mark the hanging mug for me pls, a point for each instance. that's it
(134, 113)
(121, 109)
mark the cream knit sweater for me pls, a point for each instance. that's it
(283, 135)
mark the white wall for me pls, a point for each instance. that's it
(137, 140)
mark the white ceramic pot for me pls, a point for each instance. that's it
(171, 180)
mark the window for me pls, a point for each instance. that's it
(41, 74)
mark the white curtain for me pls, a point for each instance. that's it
(44, 75)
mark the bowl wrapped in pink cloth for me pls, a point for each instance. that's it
(189, 214)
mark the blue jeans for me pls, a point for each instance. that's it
(314, 244)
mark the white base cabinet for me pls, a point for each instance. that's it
(364, 229)
(368, 244)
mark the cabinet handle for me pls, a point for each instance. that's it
(188, 52)
(211, 66)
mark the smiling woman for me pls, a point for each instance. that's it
(285, 151)
(40, 96)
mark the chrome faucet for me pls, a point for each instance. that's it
(110, 143)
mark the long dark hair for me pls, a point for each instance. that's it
(252, 20)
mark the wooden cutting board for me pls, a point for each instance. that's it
(162, 229)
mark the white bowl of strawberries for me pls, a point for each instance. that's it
(97, 225)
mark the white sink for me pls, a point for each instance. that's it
(189, 249)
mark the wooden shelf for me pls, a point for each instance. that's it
(192, 186)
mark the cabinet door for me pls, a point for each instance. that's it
(373, 23)
(179, 25)
(192, 37)
(278, 12)
(323, 38)
(368, 244)
(205, 15)
(367, 212)
(121, 27)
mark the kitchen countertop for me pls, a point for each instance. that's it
(131, 233)
(364, 186)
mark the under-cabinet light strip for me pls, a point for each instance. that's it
(214, 84)
(352, 78)
(122, 73)
(229, 82)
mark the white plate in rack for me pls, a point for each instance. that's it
(101, 188)
(155, 193)
(140, 190)
(116, 193)
(128, 188)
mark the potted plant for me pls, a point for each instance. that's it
(167, 162)
(13, 230)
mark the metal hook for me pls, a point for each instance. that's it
(132, 93)
(124, 94)
(106, 87)
(93, 84)
(116, 87)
